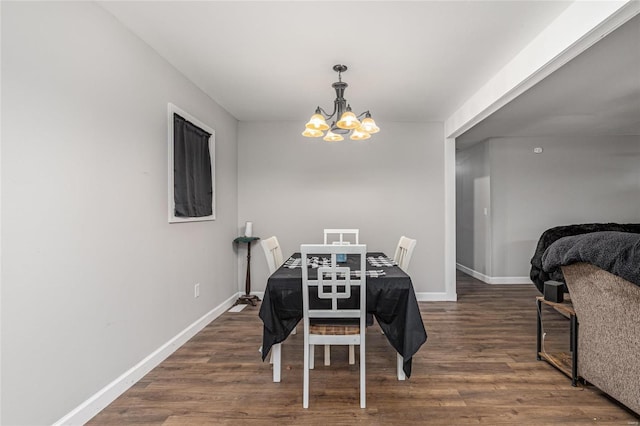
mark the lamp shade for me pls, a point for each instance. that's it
(359, 135)
(369, 126)
(312, 133)
(317, 122)
(348, 121)
(333, 137)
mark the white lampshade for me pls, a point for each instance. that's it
(369, 126)
(333, 137)
(317, 122)
(359, 135)
(348, 121)
(312, 133)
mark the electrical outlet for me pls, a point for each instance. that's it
(196, 290)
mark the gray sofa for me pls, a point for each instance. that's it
(608, 312)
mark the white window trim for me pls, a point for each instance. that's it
(172, 109)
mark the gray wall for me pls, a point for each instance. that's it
(473, 196)
(575, 180)
(388, 186)
(94, 278)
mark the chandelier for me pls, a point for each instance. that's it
(348, 122)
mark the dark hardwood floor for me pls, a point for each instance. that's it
(478, 367)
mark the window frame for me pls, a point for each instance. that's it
(171, 110)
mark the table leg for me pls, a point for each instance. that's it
(574, 354)
(276, 350)
(400, 362)
(539, 333)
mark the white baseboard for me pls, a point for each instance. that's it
(105, 396)
(510, 280)
(493, 280)
(428, 296)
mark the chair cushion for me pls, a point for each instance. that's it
(334, 329)
(334, 326)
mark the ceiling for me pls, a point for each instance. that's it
(272, 60)
(595, 94)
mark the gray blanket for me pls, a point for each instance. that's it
(615, 252)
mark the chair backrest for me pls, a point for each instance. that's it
(334, 282)
(341, 236)
(273, 253)
(404, 251)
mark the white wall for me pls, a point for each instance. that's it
(575, 180)
(94, 278)
(388, 186)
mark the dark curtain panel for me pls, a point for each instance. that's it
(193, 189)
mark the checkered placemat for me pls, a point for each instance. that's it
(313, 262)
(292, 263)
(373, 274)
(381, 261)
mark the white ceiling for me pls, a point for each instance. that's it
(272, 60)
(595, 94)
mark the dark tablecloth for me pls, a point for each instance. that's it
(390, 299)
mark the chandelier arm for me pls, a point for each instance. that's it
(363, 114)
(327, 116)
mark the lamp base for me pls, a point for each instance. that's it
(248, 299)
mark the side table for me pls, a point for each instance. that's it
(561, 360)
(247, 298)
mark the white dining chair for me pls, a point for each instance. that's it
(340, 236)
(404, 251)
(334, 325)
(333, 235)
(273, 254)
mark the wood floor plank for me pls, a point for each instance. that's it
(478, 367)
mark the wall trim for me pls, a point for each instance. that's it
(450, 220)
(105, 396)
(493, 280)
(432, 296)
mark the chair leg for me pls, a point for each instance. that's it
(276, 354)
(308, 360)
(363, 377)
(352, 354)
(312, 350)
(327, 354)
(401, 375)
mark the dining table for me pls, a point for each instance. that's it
(390, 299)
